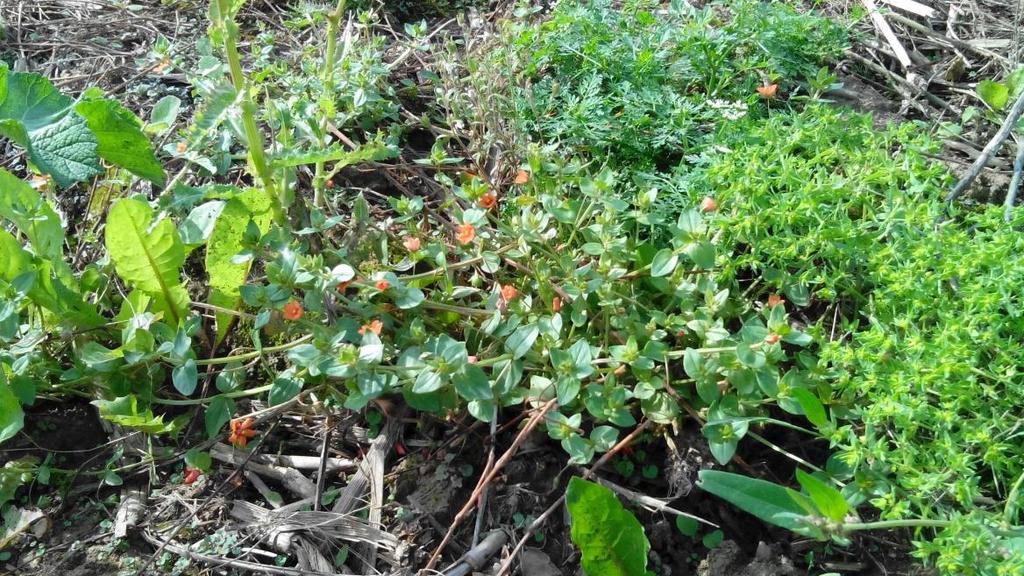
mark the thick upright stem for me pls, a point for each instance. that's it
(327, 77)
(254, 139)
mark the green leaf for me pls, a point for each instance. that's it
(768, 501)
(995, 94)
(32, 215)
(283, 389)
(218, 413)
(427, 381)
(827, 499)
(472, 384)
(409, 298)
(198, 226)
(811, 406)
(798, 294)
(40, 119)
(226, 275)
(148, 256)
(194, 458)
(185, 377)
(119, 138)
(604, 437)
(165, 112)
(520, 342)
(12, 418)
(702, 254)
(664, 263)
(712, 539)
(748, 357)
(124, 411)
(687, 526)
(610, 538)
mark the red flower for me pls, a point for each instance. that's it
(465, 233)
(774, 300)
(375, 326)
(488, 200)
(292, 310)
(241, 432)
(342, 286)
(772, 339)
(708, 204)
(556, 303)
(382, 285)
(768, 91)
(509, 293)
(191, 475)
(411, 243)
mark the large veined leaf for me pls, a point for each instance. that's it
(148, 256)
(41, 120)
(610, 538)
(227, 275)
(33, 216)
(119, 138)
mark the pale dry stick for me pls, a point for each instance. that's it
(990, 149)
(507, 564)
(883, 26)
(950, 40)
(912, 7)
(485, 479)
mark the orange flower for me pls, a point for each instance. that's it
(382, 285)
(411, 243)
(768, 91)
(342, 286)
(241, 432)
(708, 204)
(181, 147)
(375, 326)
(774, 300)
(556, 303)
(465, 233)
(292, 310)
(509, 292)
(330, 183)
(191, 475)
(488, 200)
(522, 177)
(772, 339)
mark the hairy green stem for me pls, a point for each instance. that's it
(253, 137)
(327, 76)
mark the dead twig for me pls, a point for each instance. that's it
(485, 480)
(990, 149)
